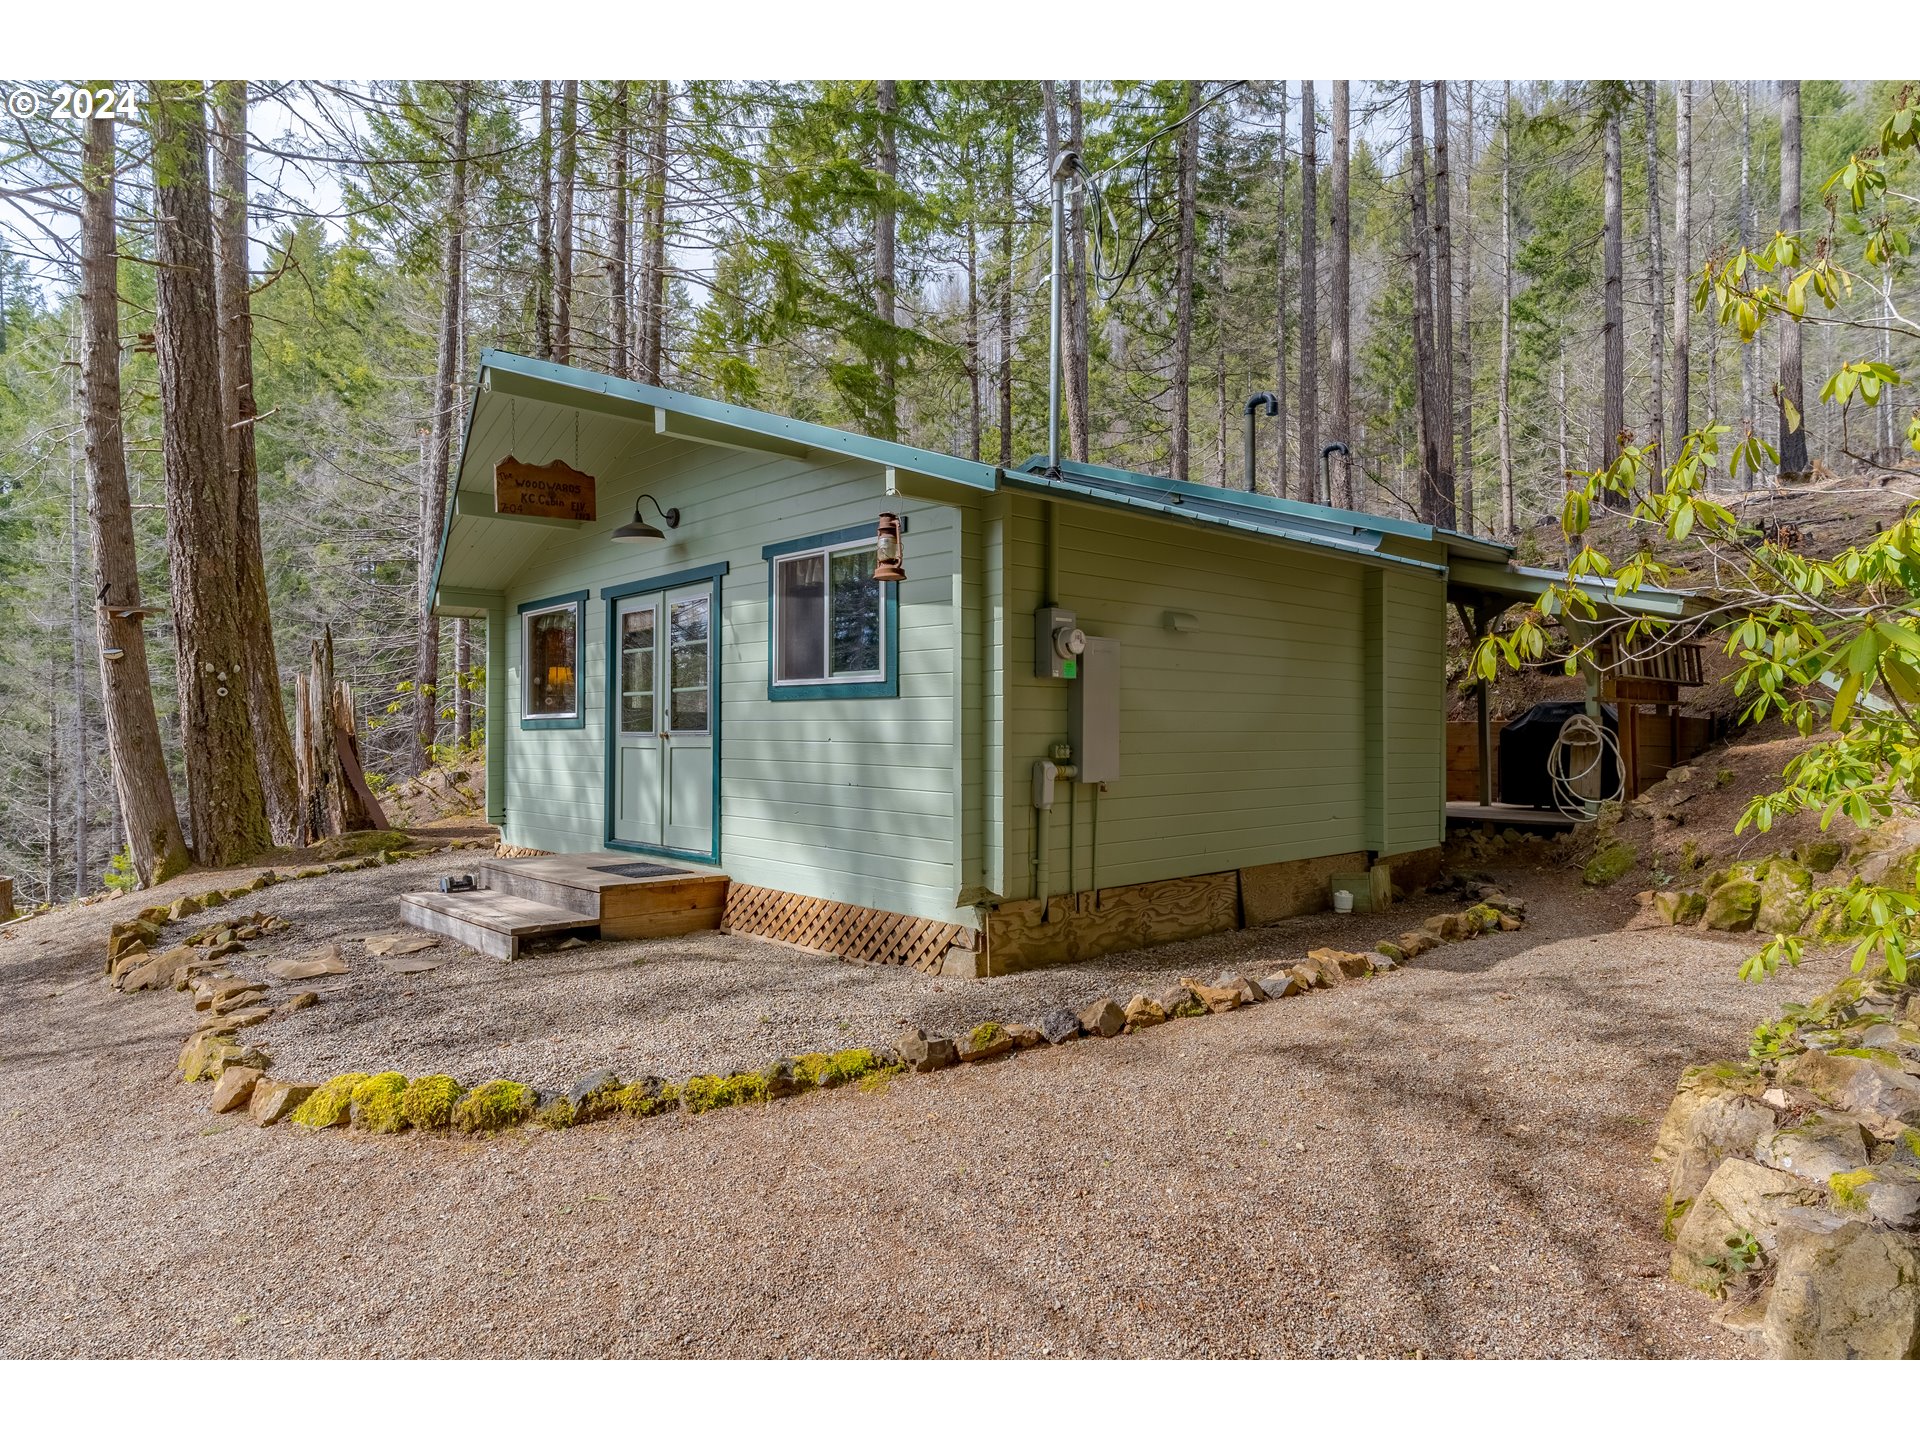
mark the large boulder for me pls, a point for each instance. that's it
(1722, 1125)
(1742, 1198)
(1217, 998)
(324, 962)
(1352, 966)
(1733, 905)
(1699, 1084)
(1889, 1193)
(1886, 854)
(234, 1088)
(1845, 1291)
(1144, 1010)
(985, 1041)
(1680, 907)
(1785, 899)
(1281, 984)
(1057, 1026)
(1817, 1148)
(1885, 1099)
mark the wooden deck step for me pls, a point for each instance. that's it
(489, 921)
(616, 889)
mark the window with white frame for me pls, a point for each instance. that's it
(829, 622)
(550, 644)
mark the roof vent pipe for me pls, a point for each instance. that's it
(1255, 403)
(1326, 475)
(1065, 165)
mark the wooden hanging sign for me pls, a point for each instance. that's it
(554, 491)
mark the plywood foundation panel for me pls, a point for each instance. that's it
(1090, 924)
(1293, 887)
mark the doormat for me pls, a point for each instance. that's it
(639, 870)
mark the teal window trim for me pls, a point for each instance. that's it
(578, 719)
(664, 582)
(887, 687)
(713, 575)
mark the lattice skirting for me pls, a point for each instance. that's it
(852, 932)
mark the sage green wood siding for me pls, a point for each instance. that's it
(1413, 683)
(1245, 741)
(846, 799)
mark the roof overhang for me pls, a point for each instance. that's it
(1479, 580)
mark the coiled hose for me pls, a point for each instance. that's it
(1583, 732)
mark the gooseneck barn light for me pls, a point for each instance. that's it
(638, 529)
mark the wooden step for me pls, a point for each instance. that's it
(489, 921)
(683, 898)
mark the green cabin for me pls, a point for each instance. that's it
(1101, 709)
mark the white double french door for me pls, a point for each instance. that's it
(663, 719)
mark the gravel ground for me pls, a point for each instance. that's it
(1446, 1161)
(694, 1004)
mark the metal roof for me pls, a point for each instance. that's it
(1470, 561)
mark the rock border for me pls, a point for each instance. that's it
(389, 1102)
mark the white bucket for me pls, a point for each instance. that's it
(1343, 902)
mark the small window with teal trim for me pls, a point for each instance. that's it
(550, 635)
(833, 631)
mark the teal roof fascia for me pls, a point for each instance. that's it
(747, 422)
(1125, 492)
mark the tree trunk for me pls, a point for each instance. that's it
(1656, 278)
(884, 224)
(543, 232)
(1506, 313)
(563, 222)
(1793, 432)
(152, 823)
(1613, 384)
(273, 744)
(1280, 301)
(426, 654)
(1180, 461)
(1436, 478)
(1463, 368)
(224, 799)
(462, 696)
(974, 425)
(1443, 336)
(619, 233)
(1007, 199)
(1079, 406)
(1309, 296)
(1749, 354)
(76, 644)
(1339, 361)
(1682, 261)
(654, 351)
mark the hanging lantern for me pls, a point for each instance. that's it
(887, 568)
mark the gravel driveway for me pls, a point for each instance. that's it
(1447, 1161)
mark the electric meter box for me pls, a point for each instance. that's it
(1093, 713)
(1057, 643)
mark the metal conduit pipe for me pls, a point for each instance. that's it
(1265, 400)
(1326, 472)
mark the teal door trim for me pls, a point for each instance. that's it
(613, 594)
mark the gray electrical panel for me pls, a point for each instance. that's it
(1093, 712)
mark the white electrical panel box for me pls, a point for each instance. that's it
(1093, 712)
(1057, 643)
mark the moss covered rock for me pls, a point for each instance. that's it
(1680, 907)
(331, 1104)
(556, 1112)
(377, 1103)
(496, 1105)
(1785, 898)
(429, 1101)
(367, 843)
(647, 1096)
(1733, 905)
(1820, 856)
(594, 1095)
(716, 1092)
(1609, 863)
